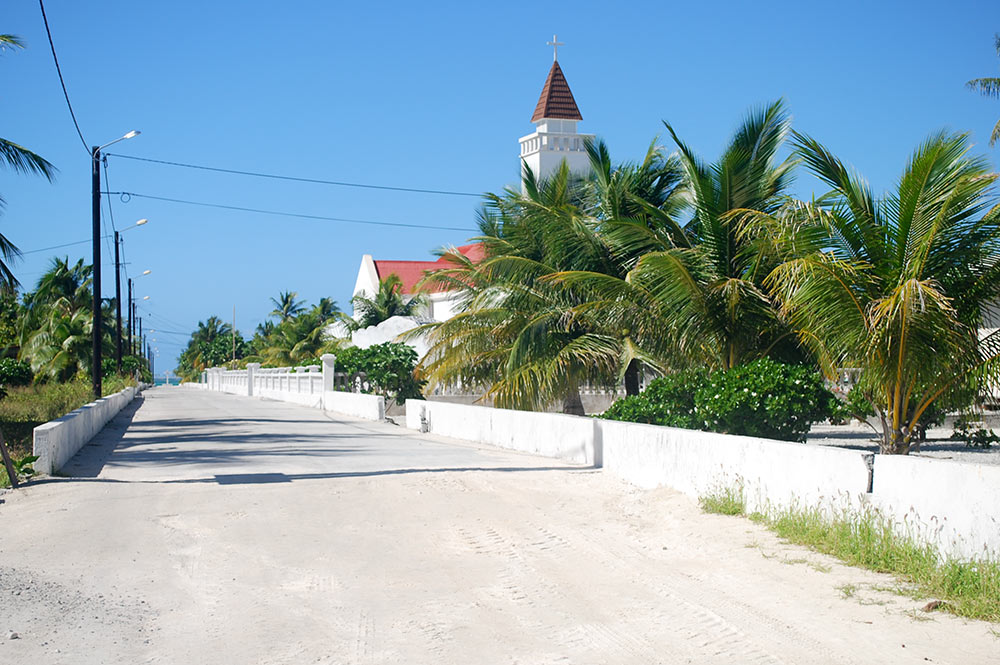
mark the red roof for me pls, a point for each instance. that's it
(557, 99)
(411, 272)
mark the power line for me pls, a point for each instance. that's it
(285, 214)
(45, 249)
(55, 59)
(315, 181)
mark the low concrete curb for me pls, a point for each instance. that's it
(58, 440)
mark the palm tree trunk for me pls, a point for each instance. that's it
(632, 378)
(572, 404)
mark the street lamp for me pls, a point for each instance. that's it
(118, 296)
(95, 159)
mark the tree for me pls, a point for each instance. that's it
(517, 334)
(20, 160)
(211, 345)
(387, 303)
(286, 306)
(895, 286)
(295, 340)
(989, 87)
(694, 294)
(54, 329)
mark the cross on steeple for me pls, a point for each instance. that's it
(555, 44)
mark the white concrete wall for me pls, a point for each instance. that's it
(358, 405)
(774, 474)
(312, 400)
(57, 441)
(954, 505)
(548, 434)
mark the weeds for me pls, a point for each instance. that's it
(868, 540)
(724, 501)
(848, 590)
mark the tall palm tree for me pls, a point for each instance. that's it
(518, 335)
(989, 87)
(286, 306)
(387, 303)
(211, 328)
(694, 292)
(326, 309)
(895, 286)
(20, 160)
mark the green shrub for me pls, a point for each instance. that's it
(667, 401)
(763, 398)
(14, 373)
(389, 367)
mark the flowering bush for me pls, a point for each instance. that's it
(666, 401)
(763, 398)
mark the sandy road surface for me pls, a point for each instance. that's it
(219, 529)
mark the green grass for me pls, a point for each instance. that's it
(23, 409)
(868, 540)
(724, 501)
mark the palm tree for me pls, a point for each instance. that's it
(387, 303)
(211, 328)
(286, 306)
(895, 286)
(20, 160)
(53, 328)
(989, 87)
(295, 340)
(326, 309)
(60, 348)
(694, 292)
(517, 334)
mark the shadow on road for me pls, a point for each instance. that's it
(268, 478)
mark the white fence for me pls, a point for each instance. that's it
(952, 505)
(313, 386)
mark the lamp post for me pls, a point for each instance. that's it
(118, 298)
(95, 180)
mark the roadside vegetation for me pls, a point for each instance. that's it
(26, 407)
(693, 271)
(866, 539)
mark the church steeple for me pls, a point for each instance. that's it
(556, 100)
(555, 138)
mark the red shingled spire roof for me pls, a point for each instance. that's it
(557, 99)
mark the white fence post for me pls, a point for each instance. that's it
(329, 366)
(251, 371)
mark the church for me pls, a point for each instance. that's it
(555, 139)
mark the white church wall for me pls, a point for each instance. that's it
(388, 331)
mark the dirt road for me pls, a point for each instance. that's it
(221, 529)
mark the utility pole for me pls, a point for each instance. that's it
(95, 202)
(131, 318)
(96, 331)
(118, 308)
(234, 336)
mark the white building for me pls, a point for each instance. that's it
(555, 139)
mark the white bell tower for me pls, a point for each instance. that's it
(555, 137)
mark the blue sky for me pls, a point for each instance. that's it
(429, 95)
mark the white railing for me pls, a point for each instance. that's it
(313, 386)
(301, 380)
(261, 381)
